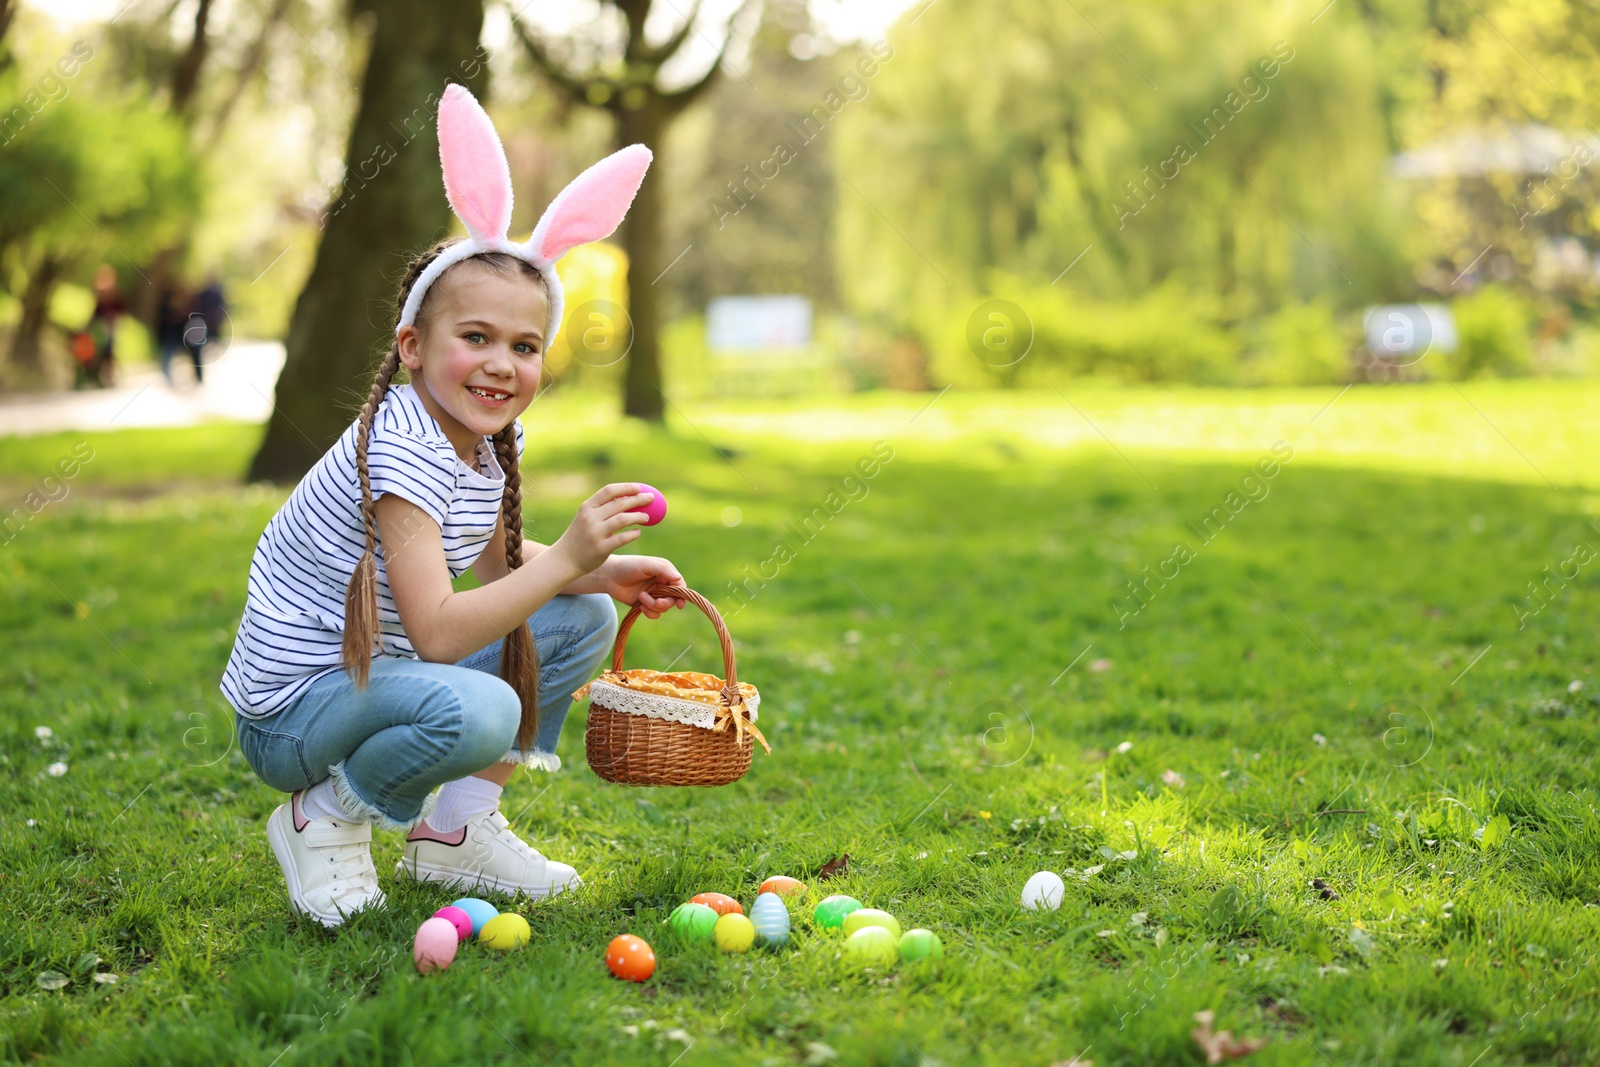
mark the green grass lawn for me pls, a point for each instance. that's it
(1343, 679)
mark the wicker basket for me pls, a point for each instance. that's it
(652, 728)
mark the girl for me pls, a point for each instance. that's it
(362, 680)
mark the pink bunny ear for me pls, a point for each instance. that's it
(593, 205)
(477, 178)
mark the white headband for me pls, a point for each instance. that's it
(477, 182)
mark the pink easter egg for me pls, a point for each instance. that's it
(461, 920)
(656, 510)
(435, 946)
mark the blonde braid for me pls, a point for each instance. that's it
(361, 595)
(519, 656)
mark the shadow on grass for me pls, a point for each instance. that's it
(1334, 684)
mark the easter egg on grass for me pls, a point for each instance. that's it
(505, 932)
(920, 944)
(770, 919)
(734, 933)
(630, 958)
(832, 911)
(656, 509)
(783, 885)
(871, 946)
(457, 918)
(693, 921)
(435, 945)
(865, 917)
(720, 903)
(1043, 891)
(479, 911)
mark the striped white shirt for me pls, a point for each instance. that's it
(293, 622)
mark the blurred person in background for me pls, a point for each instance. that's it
(102, 326)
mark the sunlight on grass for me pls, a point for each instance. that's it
(1331, 781)
(1507, 431)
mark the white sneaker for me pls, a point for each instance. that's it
(327, 863)
(484, 854)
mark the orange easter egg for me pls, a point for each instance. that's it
(630, 958)
(720, 903)
(783, 885)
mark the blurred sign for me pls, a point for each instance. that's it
(758, 323)
(1401, 334)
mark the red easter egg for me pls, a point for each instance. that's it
(783, 885)
(720, 903)
(630, 958)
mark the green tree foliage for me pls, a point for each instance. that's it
(1211, 149)
(755, 186)
(82, 182)
(61, 188)
(1497, 71)
(1493, 325)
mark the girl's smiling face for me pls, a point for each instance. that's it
(477, 350)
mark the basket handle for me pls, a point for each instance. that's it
(730, 691)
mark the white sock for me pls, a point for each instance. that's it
(463, 799)
(321, 802)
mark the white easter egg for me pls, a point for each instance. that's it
(1044, 891)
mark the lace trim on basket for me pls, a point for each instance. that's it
(655, 706)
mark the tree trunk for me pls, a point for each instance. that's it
(26, 350)
(642, 395)
(642, 111)
(392, 204)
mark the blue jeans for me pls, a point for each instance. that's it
(418, 725)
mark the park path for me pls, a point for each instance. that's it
(238, 385)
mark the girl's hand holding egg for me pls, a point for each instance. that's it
(601, 525)
(630, 579)
(656, 509)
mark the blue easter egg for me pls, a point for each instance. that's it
(770, 918)
(479, 911)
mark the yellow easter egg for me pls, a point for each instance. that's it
(505, 932)
(734, 933)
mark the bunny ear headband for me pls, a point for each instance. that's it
(477, 181)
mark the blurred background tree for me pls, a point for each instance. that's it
(1168, 161)
(615, 63)
(390, 199)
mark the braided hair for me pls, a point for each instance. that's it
(519, 657)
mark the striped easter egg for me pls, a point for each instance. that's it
(770, 918)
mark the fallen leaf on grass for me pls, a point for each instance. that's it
(834, 867)
(1223, 1046)
(1282, 1012)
